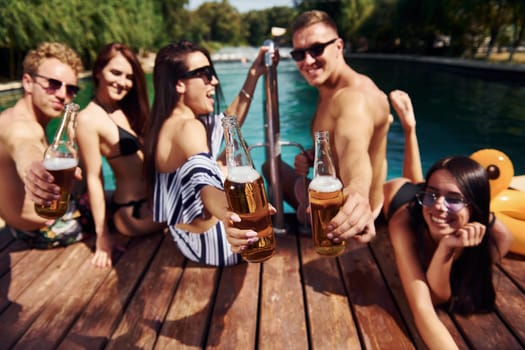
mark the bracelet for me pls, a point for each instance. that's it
(246, 94)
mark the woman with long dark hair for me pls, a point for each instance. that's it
(112, 126)
(445, 239)
(182, 149)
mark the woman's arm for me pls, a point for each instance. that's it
(241, 104)
(89, 149)
(417, 291)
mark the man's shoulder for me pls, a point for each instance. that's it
(13, 124)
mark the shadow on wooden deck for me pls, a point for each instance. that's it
(155, 298)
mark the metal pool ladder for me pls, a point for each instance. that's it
(273, 141)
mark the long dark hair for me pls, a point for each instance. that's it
(135, 104)
(170, 67)
(471, 274)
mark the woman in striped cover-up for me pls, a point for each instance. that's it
(182, 148)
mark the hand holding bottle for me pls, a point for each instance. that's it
(354, 220)
(246, 196)
(60, 161)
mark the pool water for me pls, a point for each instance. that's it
(457, 114)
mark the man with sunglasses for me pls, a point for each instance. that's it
(49, 82)
(355, 113)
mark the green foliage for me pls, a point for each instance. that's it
(380, 25)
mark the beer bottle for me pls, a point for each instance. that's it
(325, 193)
(61, 159)
(246, 195)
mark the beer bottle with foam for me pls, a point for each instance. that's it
(61, 159)
(246, 194)
(325, 193)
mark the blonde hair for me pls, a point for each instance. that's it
(312, 17)
(62, 52)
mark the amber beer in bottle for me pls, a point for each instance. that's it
(325, 193)
(61, 159)
(246, 195)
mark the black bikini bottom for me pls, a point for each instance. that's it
(136, 204)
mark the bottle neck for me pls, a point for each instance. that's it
(237, 154)
(65, 131)
(323, 163)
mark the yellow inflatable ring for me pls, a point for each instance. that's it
(508, 205)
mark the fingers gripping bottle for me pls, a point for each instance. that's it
(61, 159)
(325, 193)
(246, 195)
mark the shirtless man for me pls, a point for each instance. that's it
(49, 82)
(356, 114)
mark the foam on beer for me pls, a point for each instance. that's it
(242, 174)
(60, 163)
(325, 184)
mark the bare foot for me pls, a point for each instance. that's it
(403, 107)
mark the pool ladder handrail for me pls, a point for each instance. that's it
(273, 142)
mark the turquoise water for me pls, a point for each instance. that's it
(456, 114)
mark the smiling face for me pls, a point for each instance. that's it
(116, 78)
(441, 221)
(50, 102)
(199, 90)
(316, 70)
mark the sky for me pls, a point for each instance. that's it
(245, 5)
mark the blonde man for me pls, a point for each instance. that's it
(49, 81)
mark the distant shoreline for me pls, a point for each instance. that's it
(502, 70)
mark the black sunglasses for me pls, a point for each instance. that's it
(206, 72)
(315, 50)
(54, 85)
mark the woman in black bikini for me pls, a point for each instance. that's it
(444, 237)
(111, 125)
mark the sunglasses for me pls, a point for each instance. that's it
(315, 50)
(54, 85)
(207, 73)
(453, 204)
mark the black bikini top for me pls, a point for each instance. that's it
(128, 143)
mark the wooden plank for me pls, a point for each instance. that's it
(329, 313)
(379, 321)
(33, 299)
(384, 254)
(486, 331)
(186, 323)
(147, 310)
(514, 265)
(234, 320)
(11, 254)
(510, 303)
(9, 257)
(282, 318)
(100, 317)
(65, 306)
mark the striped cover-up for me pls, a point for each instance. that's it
(177, 200)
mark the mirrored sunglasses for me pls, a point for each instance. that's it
(453, 204)
(315, 50)
(206, 72)
(53, 85)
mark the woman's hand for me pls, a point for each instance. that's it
(240, 239)
(469, 235)
(104, 249)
